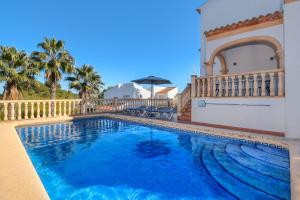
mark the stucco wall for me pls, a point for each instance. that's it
(129, 90)
(268, 118)
(292, 68)
(216, 13)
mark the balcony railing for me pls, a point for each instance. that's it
(268, 83)
(35, 109)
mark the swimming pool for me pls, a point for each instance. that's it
(102, 158)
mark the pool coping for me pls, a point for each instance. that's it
(19, 180)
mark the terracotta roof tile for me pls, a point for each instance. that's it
(246, 23)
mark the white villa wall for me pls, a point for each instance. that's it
(217, 13)
(292, 68)
(267, 118)
(243, 57)
(128, 90)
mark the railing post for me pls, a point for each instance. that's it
(5, 105)
(193, 87)
(280, 84)
(203, 88)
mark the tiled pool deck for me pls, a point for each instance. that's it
(19, 180)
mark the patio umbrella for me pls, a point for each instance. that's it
(152, 80)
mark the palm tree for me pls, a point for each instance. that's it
(17, 71)
(54, 60)
(86, 81)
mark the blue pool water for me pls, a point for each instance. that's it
(102, 158)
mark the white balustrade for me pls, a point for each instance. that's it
(252, 84)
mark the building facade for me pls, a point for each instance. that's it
(249, 67)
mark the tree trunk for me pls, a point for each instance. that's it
(53, 96)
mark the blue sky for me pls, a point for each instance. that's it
(123, 40)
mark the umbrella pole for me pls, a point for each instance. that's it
(151, 94)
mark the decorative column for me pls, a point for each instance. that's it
(199, 87)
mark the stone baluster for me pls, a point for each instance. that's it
(255, 85)
(208, 87)
(240, 86)
(54, 109)
(38, 109)
(214, 82)
(65, 108)
(59, 108)
(220, 87)
(70, 108)
(272, 85)
(44, 109)
(280, 84)
(26, 110)
(74, 108)
(5, 105)
(263, 84)
(19, 110)
(199, 87)
(12, 114)
(203, 88)
(193, 87)
(234, 86)
(32, 110)
(247, 85)
(49, 109)
(227, 86)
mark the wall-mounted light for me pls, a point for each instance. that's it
(272, 58)
(234, 64)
